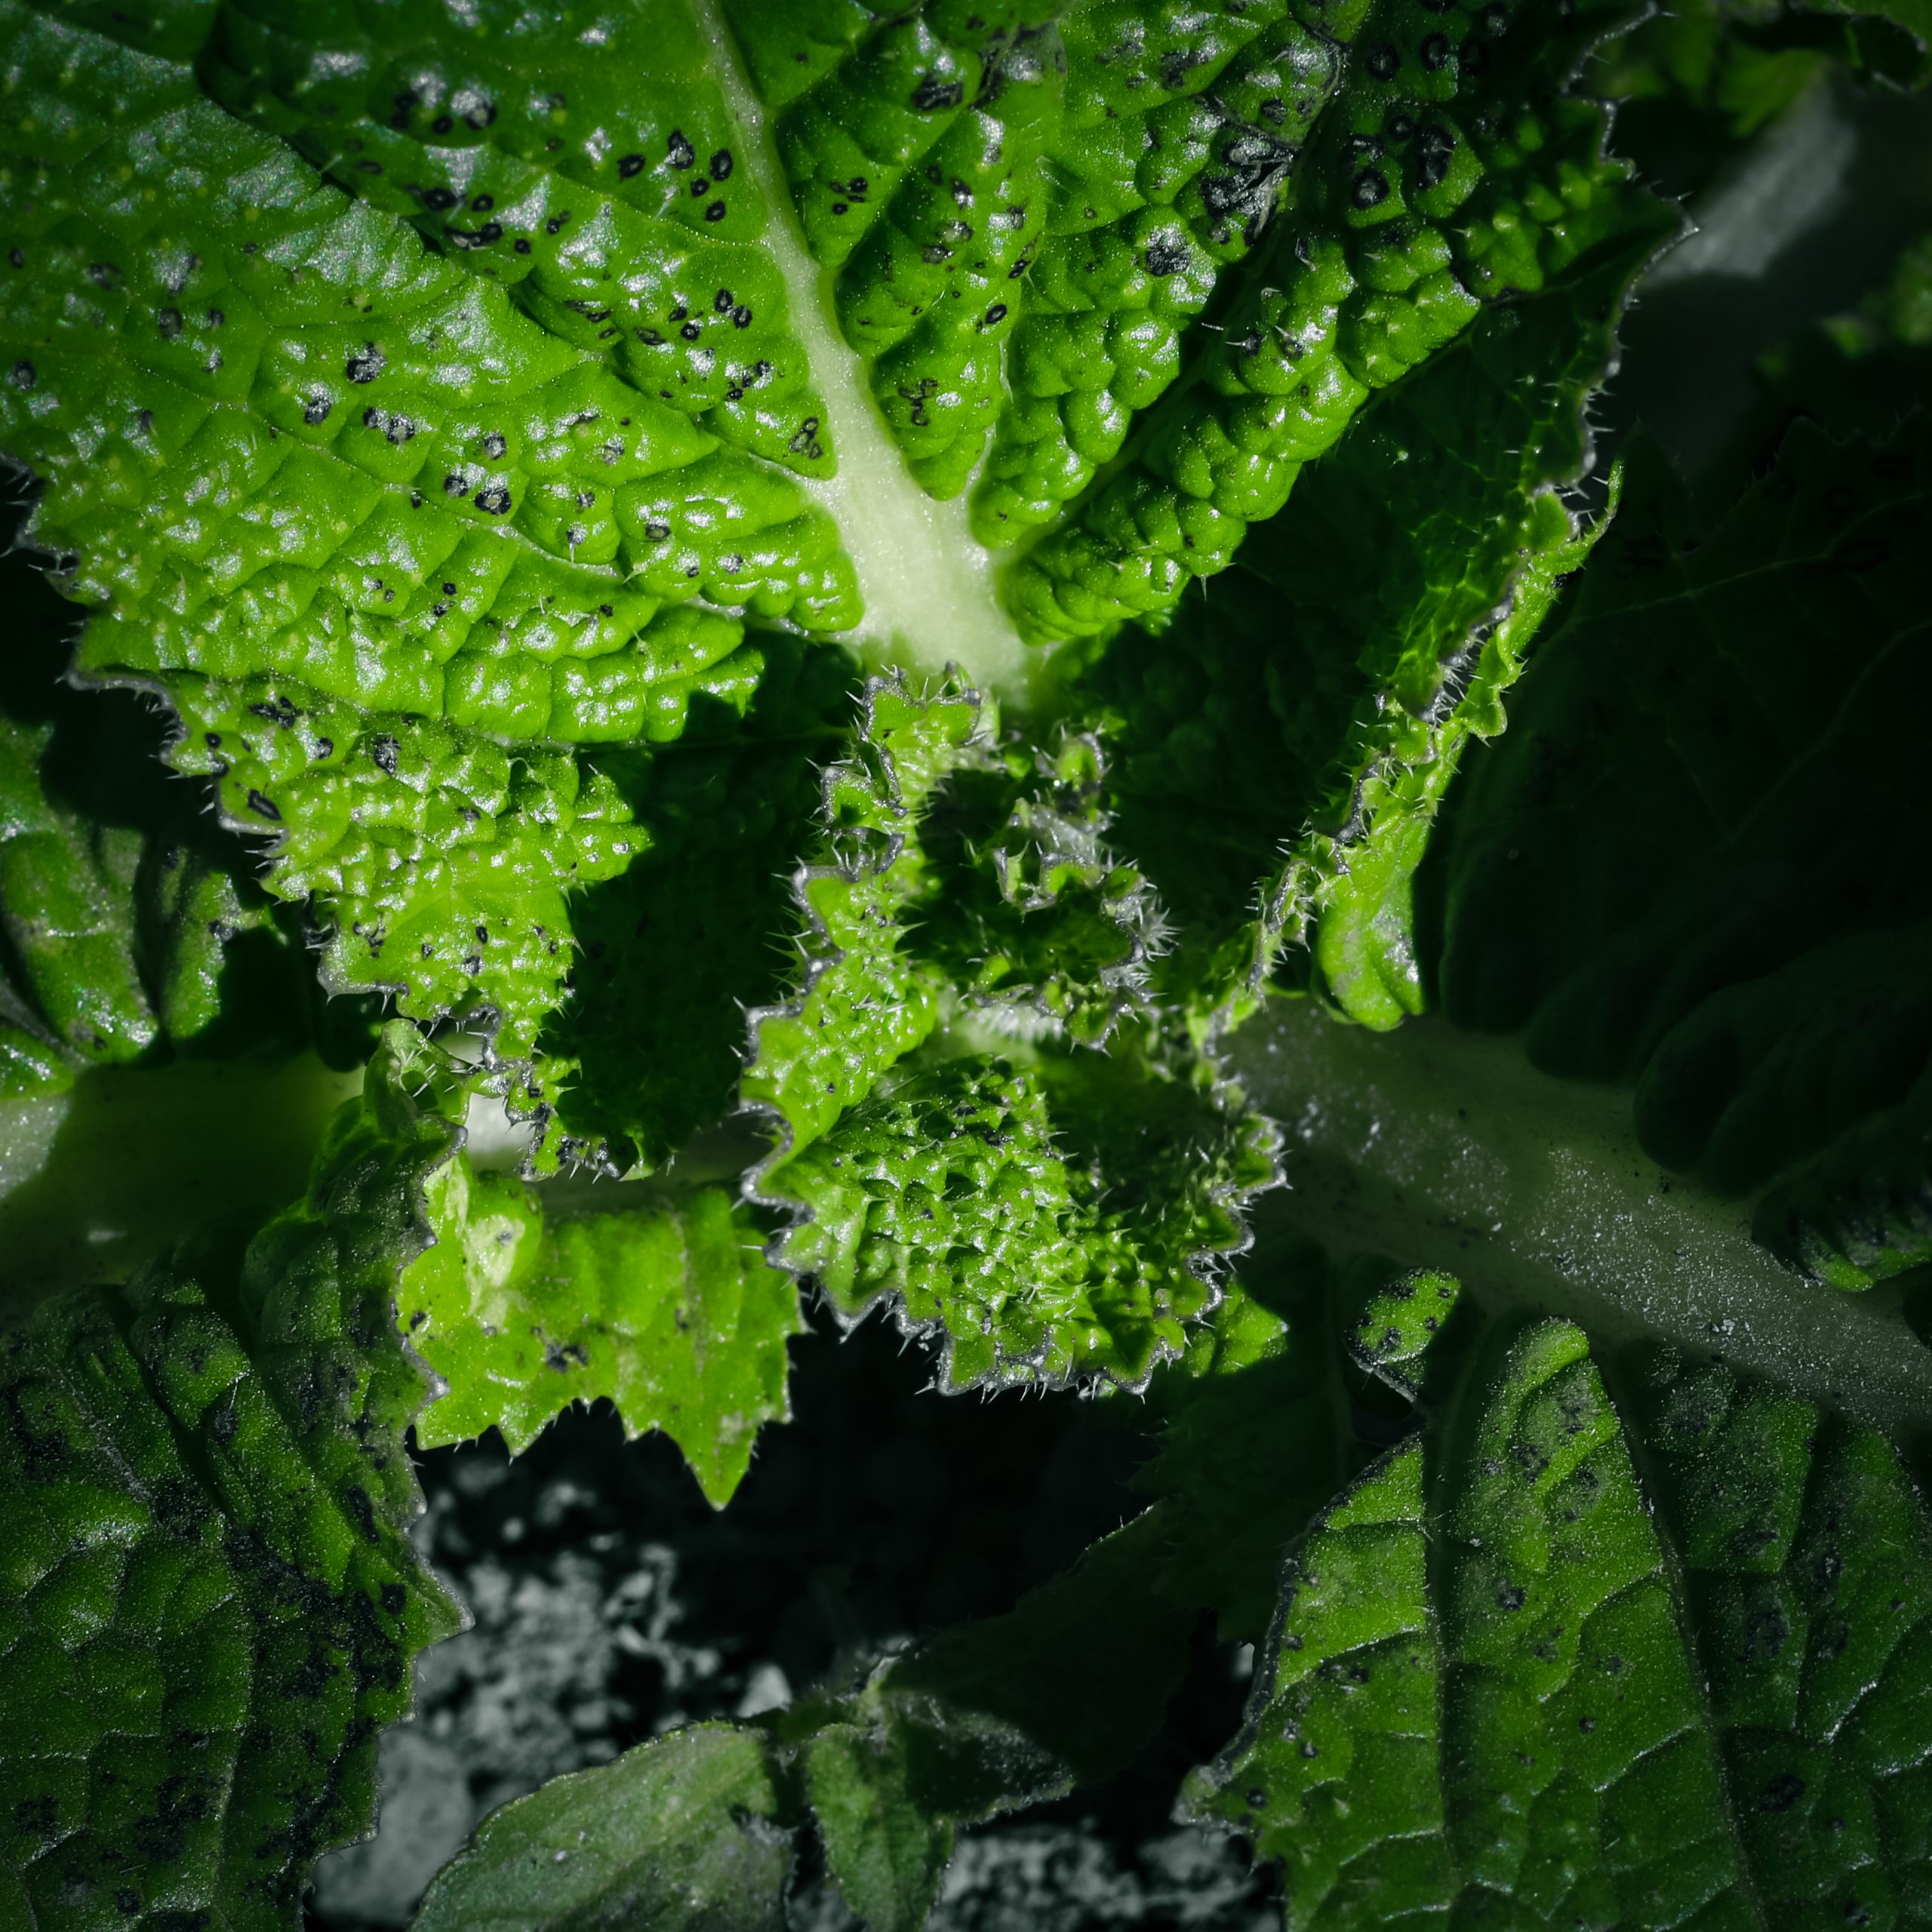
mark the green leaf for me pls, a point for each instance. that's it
(1486, 181)
(1046, 1222)
(678, 1833)
(886, 1853)
(697, 1828)
(212, 1602)
(1348, 1709)
(649, 1048)
(864, 1002)
(1032, 1216)
(1179, 132)
(1416, 578)
(931, 213)
(169, 1137)
(992, 221)
(133, 924)
(1765, 683)
(379, 425)
(1026, 905)
(667, 1307)
(614, 203)
(1594, 1660)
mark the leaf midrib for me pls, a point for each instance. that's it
(1449, 1150)
(931, 587)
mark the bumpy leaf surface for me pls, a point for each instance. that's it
(612, 200)
(391, 548)
(866, 1000)
(668, 1308)
(1041, 1220)
(1448, 172)
(1044, 1222)
(413, 490)
(211, 1602)
(649, 1047)
(1501, 1683)
(1322, 693)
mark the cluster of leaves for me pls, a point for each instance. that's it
(463, 445)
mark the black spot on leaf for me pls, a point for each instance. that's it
(934, 96)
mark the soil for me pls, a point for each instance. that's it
(611, 1603)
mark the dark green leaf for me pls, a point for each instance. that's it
(1717, 735)
(1502, 1681)
(681, 1833)
(213, 1605)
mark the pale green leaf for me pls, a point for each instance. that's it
(667, 1307)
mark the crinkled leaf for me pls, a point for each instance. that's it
(1321, 694)
(667, 1307)
(1026, 905)
(919, 148)
(212, 1604)
(1040, 1218)
(1448, 172)
(367, 526)
(1179, 129)
(866, 1000)
(614, 202)
(1023, 221)
(1044, 1222)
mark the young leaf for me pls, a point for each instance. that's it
(1026, 905)
(1040, 1220)
(213, 1602)
(946, 1187)
(864, 1002)
(680, 1832)
(668, 1308)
